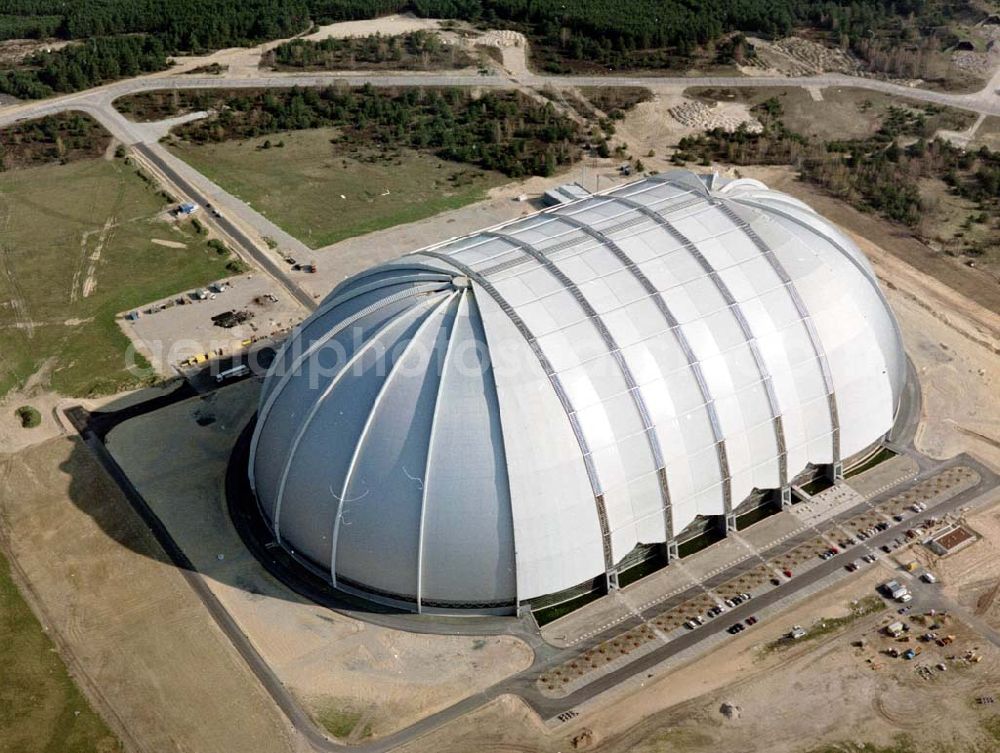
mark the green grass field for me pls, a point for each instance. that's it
(299, 186)
(62, 225)
(41, 708)
(340, 718)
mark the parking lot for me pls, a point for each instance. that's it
(220, 320)
(845, 538)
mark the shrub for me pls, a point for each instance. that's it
(30, 417)
(218, 246)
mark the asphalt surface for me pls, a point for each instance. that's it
(298, 717)
(249, 248)
(98, 103)
(237, 216)
(93, 428)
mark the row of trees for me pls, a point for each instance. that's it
(503, 131)
(81, 66)
(645, 33)
(657, 33)
(126, 37)
(179, 24)
(417, 50)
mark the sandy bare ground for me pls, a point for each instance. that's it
(168, 244)
(245, 61)
(787, 701)
(400, 23)
(972, 576)
(136, 637)
(13, 51)
(333, 663)
(513, 49)
(85, 279)
(13, 436)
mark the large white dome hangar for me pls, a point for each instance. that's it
(512, 417)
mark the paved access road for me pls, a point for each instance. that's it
(155, 155)
(546, 656)
(237, 218)
(240, 222)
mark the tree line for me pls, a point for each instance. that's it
(876, 174)
(81, 66)
(504, 131)
(416, 50)
(564, 35)
(180, 25)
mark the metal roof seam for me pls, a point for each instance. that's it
(661, 305)
(817, 345)
(610, 343)
(366, 428)
(837, 245)
(748, 335)
(265, 409)
(317, 404)
(553, 377)
(431, 435)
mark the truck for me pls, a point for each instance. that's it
(232, 373)
(893, 589)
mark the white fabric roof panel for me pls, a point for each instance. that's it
(624, 341)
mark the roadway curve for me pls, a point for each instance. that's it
(98, 103)
(984, 101)
(144, 137)
(546, 656)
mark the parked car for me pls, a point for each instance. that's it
(751, 620)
